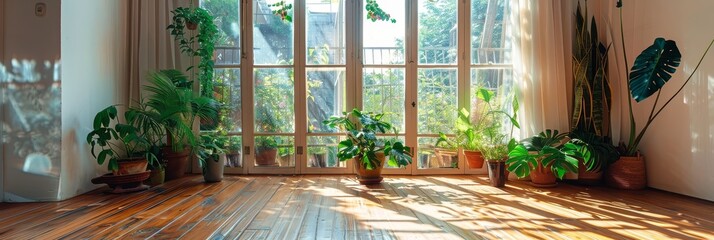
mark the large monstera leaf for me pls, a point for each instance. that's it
(653, 68)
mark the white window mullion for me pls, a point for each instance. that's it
(247, 85)
(464, 63)
(354, 60)
(411, 54)
(355, 63)
(300, 86)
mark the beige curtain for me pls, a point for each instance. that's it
(150, 45)
(542, 57)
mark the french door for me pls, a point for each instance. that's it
(284, 77)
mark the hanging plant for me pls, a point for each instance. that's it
(192, 19)
(374, 12)
(282, 10)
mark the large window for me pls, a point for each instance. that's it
(280, 77)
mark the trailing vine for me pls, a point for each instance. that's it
(282, 10)
(374, 12)
(192, 18)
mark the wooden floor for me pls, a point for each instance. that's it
(336, 207)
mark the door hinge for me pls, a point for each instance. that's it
(298, 150)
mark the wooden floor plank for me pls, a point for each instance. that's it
(156, 215)
(77, 213)
(185, 217)
(337, 207)
(236, 227)
(249, 200)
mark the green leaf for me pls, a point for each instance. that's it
(103, 156)
(653, 68)
(113, 165)
(484, 94)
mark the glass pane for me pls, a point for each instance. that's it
(326, 96)
(438, 32)
(274, 151)
(489, 41)
(272, 36)
(234, 151)
(500, 82)
(226, 15)
(430, 157)
(274, 101)
(383, 92)
(322, 152)
(437, 108)
(492, 79)
(228, 92)
(325, 32)
(383, 41)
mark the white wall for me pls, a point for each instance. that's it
(93, 73)
(679, 146)
(31, 101)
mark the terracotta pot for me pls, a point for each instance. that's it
(497, 173)
(373, 176)
(266, 157)
(176, 162)
(543, 176)
(131, 166)
(627, 173)
(474, 158)
(213, 171)
(157, 177)
(589, 177)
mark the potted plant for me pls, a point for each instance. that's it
(122, 145)
(592, 101)
(158, 167)
(266, 151)
(546, 156)
(233, 152)
(652, 69)
(212, 156)
(495, 131)
(196, 18)
(169, 113)
(468, 138)
(365, 147)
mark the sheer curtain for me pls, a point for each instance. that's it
(542, 46)
(150, 46)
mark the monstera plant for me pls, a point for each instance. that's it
(652, 69)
